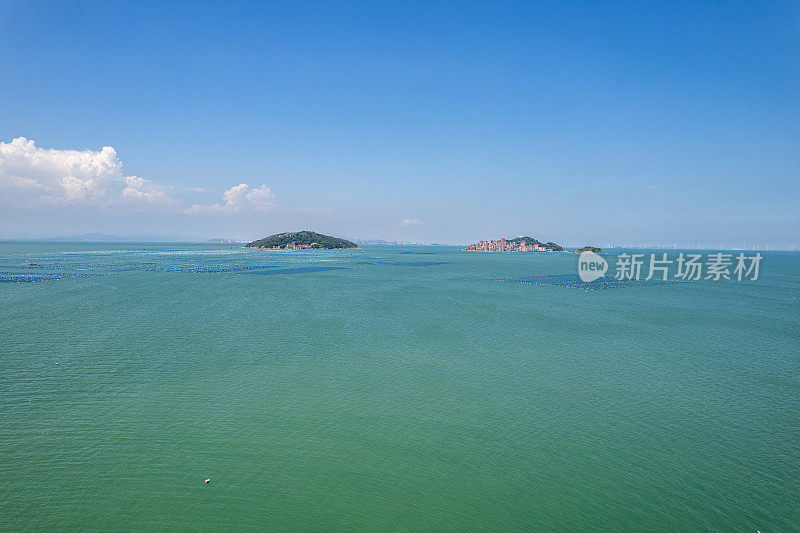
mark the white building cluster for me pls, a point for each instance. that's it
(503, 245)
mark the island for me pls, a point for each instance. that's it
(589, 249)
(517, 244)
(301, 240)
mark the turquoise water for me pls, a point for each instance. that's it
(382, 390)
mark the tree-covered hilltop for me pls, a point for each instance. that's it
(553, 247)
(528, 240)
(301, 240)
(590, 249)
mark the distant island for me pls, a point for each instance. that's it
(517, 244)
(589, 249)
(301, 240)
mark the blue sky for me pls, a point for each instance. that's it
(581, 123)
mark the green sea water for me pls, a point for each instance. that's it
(390, 389)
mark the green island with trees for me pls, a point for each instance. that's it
(301, 240)
(517, 244)
(553, 247)
(590, 249)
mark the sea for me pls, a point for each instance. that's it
(209, 387)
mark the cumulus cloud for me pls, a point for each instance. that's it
(29, 173)
(240, 197)
(142, 189)
(412, 222)
(34, 176)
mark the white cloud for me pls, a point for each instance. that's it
(29, 174)
(34, 176)
(412, 222)
(81, 189)
(240, 197)
(142, 189)
(261, 198)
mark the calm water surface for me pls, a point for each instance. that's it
(385, 390)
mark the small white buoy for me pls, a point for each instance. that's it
(207, 480)
(56, 364)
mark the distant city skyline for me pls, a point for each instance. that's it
(583, 124)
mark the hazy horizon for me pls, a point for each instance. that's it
(90, 238)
